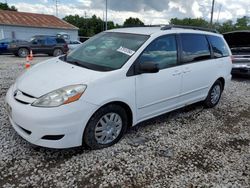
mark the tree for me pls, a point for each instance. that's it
(199, 22)
(88, 26)
(133, 22)
(242, 23)
(5, 6)
(226, 26)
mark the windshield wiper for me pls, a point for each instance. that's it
(77, 64)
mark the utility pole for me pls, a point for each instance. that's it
(212, 14)
(56, 2)
(106, 25)
(103, 24)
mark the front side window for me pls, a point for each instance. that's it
(219, 47)
(37, 41)
(195, 47)
(107, 51)
(162, 51)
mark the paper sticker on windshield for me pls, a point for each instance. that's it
(126, 51)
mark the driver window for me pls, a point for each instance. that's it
(162, 51)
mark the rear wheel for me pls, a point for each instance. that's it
(214, 95)
(57, 52)
(23, 52)
(105, 127)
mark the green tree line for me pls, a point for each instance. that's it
(5, 6)
(227, 26)
(90, 26)
(93, 25)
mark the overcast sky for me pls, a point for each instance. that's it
(149, 11)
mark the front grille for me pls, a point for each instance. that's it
(23, 98)
(25, 94)
(21, 101)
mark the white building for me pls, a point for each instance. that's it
(23, 25)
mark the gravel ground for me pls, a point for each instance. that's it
(190, 147)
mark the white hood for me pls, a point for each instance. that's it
(54, 74)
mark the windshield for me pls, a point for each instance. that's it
(106, 51)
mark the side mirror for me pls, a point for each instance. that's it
(148, 67)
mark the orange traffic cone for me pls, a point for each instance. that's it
(27, 64)
(31, 55)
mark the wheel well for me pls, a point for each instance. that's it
(222, 81)
(58, 48)
(126, 108)
(23, 47)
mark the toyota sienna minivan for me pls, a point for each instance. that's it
(115, 80)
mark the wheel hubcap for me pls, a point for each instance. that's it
(215, 94)
(58, 52)
(108, 128)
(23, 52)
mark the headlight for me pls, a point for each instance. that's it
(61, 96)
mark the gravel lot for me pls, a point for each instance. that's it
(191, 147)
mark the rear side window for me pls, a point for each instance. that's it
(219, 47)
(50, 41)
(60, 40)
(195, 47)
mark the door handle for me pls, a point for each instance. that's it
(176, 73)
(187, 70)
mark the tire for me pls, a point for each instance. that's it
(23, 52)
(57, 52)
(99, 135)
(214, 95)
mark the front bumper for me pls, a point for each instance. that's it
(60, 127)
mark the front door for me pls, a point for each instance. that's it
(37, 45)
(157, 93)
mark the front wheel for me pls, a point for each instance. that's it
(214, 95)
(105, 127)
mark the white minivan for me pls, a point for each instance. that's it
(115, 80)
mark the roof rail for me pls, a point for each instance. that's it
(167, 27)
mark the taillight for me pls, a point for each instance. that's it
(65, 45)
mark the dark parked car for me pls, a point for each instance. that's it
(40, 44)
(239, 43)
(4, 43)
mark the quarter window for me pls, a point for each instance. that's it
(161, 51)
(195, 47)
(219, 47)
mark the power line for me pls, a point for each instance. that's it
(219, 13)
